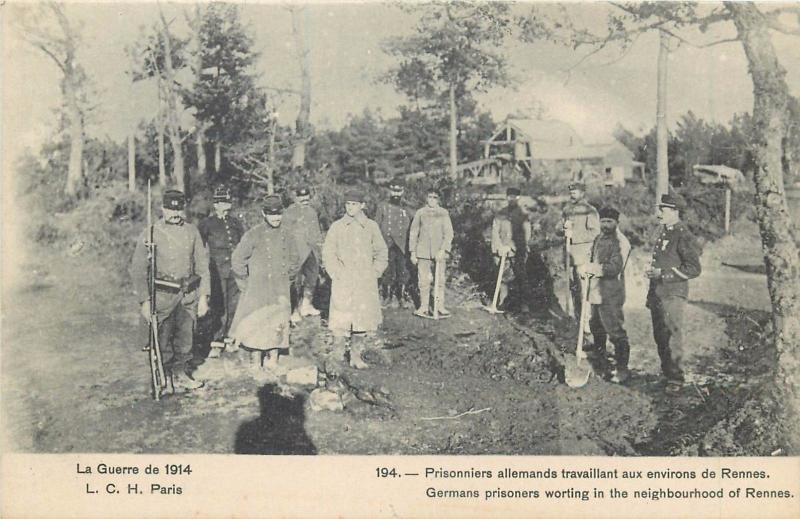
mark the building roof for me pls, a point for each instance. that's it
(718, 174)
(546, 131)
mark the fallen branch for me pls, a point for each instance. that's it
(455, 417)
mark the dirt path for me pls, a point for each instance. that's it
(74, 379)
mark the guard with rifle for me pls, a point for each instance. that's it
(170, 275)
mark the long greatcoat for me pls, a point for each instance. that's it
(262, 264)
(354, 255)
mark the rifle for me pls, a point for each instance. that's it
(159, 381)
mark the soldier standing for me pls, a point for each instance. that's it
(302, 223)
(429, 241)
(221, 233)
(182, 285)
(676, 260)
(262, 263)
(394, 221)
(511, 233)
(581, 226)
(354, 255)
(606, 277)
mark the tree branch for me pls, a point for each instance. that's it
(43, 48)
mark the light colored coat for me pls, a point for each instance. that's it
(431, 231)
(354, 255)
(262, 264)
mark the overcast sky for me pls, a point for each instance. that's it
(345, 41)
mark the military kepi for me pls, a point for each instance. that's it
(577, 184)
(609, 212)
(512, 191)
(272, 205)
(302, 191)
(174, 199)
(222, 194)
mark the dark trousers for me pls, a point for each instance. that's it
(306, 281)
(309, 274)
(175, 333)
(607, 322)
(226, 308)
(394, 280)
(667, 315)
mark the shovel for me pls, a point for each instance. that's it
(438, 272)
(493, 309)
(577, 375)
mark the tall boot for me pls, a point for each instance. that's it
(356, 349)
(622, 351)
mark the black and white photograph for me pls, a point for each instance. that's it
(401, 228)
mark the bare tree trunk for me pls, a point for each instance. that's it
(200, 143)
(195, 22)
(217, 156)
(75, 168)
(271, 162)
(62, 49)
(304, 114)
(131, 162)
(780, 250)
(173, 122)
(453, 133)
(662, 133)
(162, 165)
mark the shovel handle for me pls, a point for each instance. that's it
(436, 280)
(499, 279)
(568, 275)
(579, 353)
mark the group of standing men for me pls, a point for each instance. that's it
(246, 278)
(598, 254)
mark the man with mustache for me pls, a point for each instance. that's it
(182, 286)
(676, 260)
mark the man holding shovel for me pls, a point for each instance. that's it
(511, 233)
(581, 225)
(429, 242)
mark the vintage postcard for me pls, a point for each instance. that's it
(400, 259)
